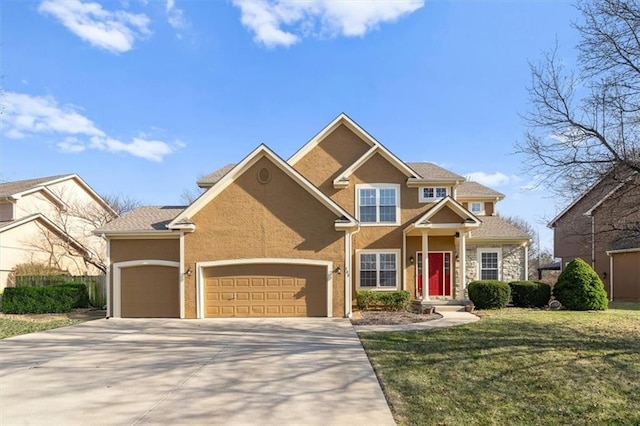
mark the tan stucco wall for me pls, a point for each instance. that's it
(277, 220)
(143, 249)
(336, 152)
(446, 215)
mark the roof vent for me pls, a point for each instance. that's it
(264, 175)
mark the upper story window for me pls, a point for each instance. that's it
(477, 208)
(378, 204)
(433, 193)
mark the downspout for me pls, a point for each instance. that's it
(593, 242)
(348, 273)
(610, 277)
(108, 275)
(181, 272)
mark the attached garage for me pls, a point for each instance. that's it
(266, 289)
(146, 290)
(625, 275)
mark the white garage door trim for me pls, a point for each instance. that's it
(268, 261)
(117, 285)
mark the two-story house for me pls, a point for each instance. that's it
(50, 221)
(602, 226)
(271, 237)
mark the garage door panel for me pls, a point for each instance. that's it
(149, 291)
(266, 290)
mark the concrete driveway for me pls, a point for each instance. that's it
(177, 372)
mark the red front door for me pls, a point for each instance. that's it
(439, 274)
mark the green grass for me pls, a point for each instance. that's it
(14, 327)
(515, 366)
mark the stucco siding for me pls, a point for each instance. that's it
(250, 220)
(335, 153)
(24, 244)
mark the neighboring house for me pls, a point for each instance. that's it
(271, 237)
(602, 226)
(50, 221)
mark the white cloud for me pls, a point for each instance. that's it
(115, 31)
(284, 22)
(492, 179)
(30, 116)
(175, 17)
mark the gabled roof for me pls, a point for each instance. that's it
(210, 179)
(433, 172)
(469, 218)
(376, 147)
(469, 190)
(7, 189)
(17, 189)
(605, 195)
(342, 180)
(39, 217)
(496, 228)
(262, 151)
(142, 219)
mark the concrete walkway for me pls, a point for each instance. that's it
(448, 319)
(304, 371)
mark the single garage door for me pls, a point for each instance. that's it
(150, 292)
(266, 290)
(626, 276)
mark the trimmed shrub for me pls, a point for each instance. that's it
(489, 294)
(364, 298)
(39, 300)
(530, 294)
(81, 294)
(392, 300)
(579, 288)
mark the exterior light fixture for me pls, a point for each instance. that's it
(189, 272)
(411, 260)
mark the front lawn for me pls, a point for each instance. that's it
(14, 325)
(515, 366)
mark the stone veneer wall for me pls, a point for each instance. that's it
(513, 260)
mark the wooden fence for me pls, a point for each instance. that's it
(96, 284)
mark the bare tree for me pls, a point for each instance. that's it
(70, 239)
(188, 196)
(585, 123)
(121, 203)
(537, 256)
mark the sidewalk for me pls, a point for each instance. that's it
(449, 319)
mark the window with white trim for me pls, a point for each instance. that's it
(378, 203)
(433, 193)
(489, 261)
(477, 208)
(378, 270)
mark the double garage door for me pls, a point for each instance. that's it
(249, 290)
(265, 290)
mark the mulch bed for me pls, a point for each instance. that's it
(390, 317)
(80, 314)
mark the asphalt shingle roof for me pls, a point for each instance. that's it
(496, 228)
(474, 189)
(431, 171)
(148, 218)
(214, 177)
(7, 189)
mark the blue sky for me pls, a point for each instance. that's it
(143, 97)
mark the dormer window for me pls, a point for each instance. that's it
(433, 193)
(477, 208)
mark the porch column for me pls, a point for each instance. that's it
(463, 264)
(425, 266)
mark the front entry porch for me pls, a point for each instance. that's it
(441, 233)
